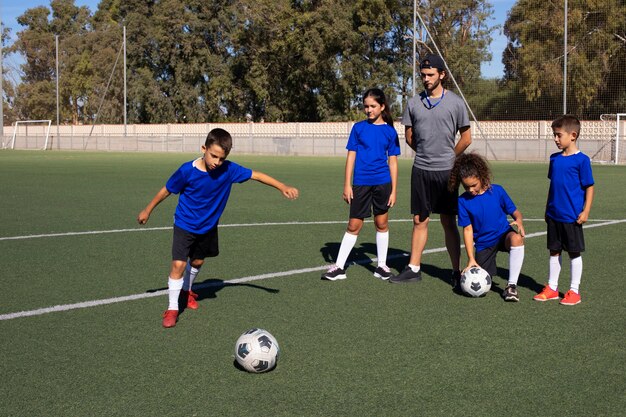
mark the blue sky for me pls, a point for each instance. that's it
(11, 9)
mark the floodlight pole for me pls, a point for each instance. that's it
(56, 43)
(414, 41)
(1, 90)
(565, 61)
(124, 81)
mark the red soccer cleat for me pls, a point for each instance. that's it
(169, 318)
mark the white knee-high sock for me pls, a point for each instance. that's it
(190, 276)
(516, 259)
(174, 286)
(382, 246)
(555, 270)
(576, 265)
(347, 243)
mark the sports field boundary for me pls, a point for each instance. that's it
(95, 303)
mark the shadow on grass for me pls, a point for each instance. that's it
(210, 287)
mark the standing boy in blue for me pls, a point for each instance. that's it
(203, 186)
(569, 202)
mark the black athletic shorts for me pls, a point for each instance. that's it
(429, 193)
(368, 198)
(486, 258)
(187, 245)
(565, 236)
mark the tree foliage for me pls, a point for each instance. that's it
(230, 60)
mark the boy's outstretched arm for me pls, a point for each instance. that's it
(144, 215)
(286, 190)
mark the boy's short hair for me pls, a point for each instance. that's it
(567, 122)
(220, 137)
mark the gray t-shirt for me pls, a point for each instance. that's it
(435, 125)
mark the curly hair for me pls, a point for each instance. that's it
(467, 165)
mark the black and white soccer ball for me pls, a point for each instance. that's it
(475, 282)
(257, 351)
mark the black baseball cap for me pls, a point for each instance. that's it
(433, 61)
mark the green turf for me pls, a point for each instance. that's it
(360, 347)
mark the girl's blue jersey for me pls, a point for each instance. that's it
(203, 195)
(569, 177)
(373, 145)
(487, 213)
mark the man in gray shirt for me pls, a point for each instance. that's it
(432, 120)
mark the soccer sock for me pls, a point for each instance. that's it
(190, 276)
(174, 286)
(347, 243)
(382, 246)
(555, 270)
(576, 265)
(516, 259)
(414, 268)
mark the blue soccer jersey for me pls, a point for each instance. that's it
(373, 145)
(203, 195)
(487, 213)
(569, 177)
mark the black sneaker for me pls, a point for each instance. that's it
(406, 276)
(456, 281)
(383, 272)
(510, 293)
(334, 273)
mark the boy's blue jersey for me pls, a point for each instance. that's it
(569, 177)
(487, 213)
(203, 195)
(373, 145)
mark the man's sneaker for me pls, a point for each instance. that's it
(334, 273)
(456, 281)
(571, 298)
(191, 298)
(383, 272)
(169, 318)
(510, 293)
(547, 294)
(406, 276)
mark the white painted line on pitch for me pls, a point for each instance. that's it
(148, 229)
(94, 303)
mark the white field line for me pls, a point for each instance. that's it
(94, 303)
(149, 229)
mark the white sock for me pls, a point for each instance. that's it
(382, 246)
(516, 259)
(190, 276)
(347, 243)
(555, 270)
(414, 268)
(174, 286)
(576, 265)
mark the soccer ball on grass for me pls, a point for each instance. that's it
(257, 351)
(475, 282)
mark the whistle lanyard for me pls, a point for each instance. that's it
(431, 105)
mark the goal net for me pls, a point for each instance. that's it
(613, 131)
(30, 134)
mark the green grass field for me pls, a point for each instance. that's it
(81, 302)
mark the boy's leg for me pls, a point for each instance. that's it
(174, 285)
(576, 263)
(555, 270)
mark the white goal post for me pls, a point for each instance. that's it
(617, 118)
(45, 126)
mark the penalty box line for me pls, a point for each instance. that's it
(106, 301)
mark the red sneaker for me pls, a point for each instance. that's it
(169, 318)
(547, 294)
(571, 298)
(191, 297)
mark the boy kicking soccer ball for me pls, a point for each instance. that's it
(203, 186)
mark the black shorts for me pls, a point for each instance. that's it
(187, 245)
(430, 194)
(486, 258)
(565, 236)
(368, 198)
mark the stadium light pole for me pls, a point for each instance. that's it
(414, 40)
(1, 90)
(56, 44)
(124, 81)
(565, 60)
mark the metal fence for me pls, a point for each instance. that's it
(505, 141)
